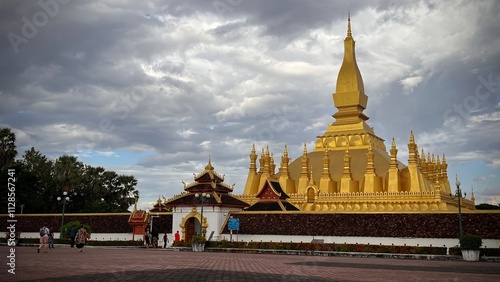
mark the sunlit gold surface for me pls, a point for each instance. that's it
(349, 169)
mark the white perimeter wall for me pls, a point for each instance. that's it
(423, 242)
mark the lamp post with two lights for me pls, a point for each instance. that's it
(64, 199)
(203, 198)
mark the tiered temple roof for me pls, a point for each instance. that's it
(209, 182)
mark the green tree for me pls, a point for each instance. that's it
(36, 186)
(68, 172)
(8, 150)
(39, 182)
(485, 206)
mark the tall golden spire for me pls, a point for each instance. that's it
(284, 163)
(394, 152)
(349, 97)
(253, 160)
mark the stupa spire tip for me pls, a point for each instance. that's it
(349, 33)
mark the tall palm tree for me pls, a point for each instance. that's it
(68, 172)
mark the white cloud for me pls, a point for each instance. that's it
(409, 83)
(186, 133)
(184, 82)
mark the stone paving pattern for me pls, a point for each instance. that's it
(138, 264)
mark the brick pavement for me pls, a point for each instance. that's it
(111, 264)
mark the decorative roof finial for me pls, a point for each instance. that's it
(209, 165)
(349, 34)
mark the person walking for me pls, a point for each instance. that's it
(44, 239)
(81, 238)
(147, 239)
(51, 237)
(72, 235)
(165, 240)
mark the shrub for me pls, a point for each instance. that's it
(470, 242)
(197, 239)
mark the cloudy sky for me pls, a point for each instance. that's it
(153, 88)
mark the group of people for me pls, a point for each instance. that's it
(78, 236)
(151, 240)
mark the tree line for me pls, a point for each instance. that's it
(40, 182)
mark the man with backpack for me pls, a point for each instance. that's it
(44, 239)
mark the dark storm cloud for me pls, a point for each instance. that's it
(188, 79)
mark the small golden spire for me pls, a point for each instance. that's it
(349, 34)
(311, 180)
(412, 138)
(209, 166)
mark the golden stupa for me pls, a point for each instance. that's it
(349, 169)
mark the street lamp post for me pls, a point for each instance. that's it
(203, 197)
(458, 194)
(64, 199)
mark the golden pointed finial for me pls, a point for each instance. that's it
(253, 148)
(444, 159)
(209, 165)
(305, 149)
(412, 138)
(285, 152)
(311, 180)
(349, 34)
(393, 145)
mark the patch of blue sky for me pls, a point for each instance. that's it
(475, 174)
(112, 158)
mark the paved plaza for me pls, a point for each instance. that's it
(114, 264)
